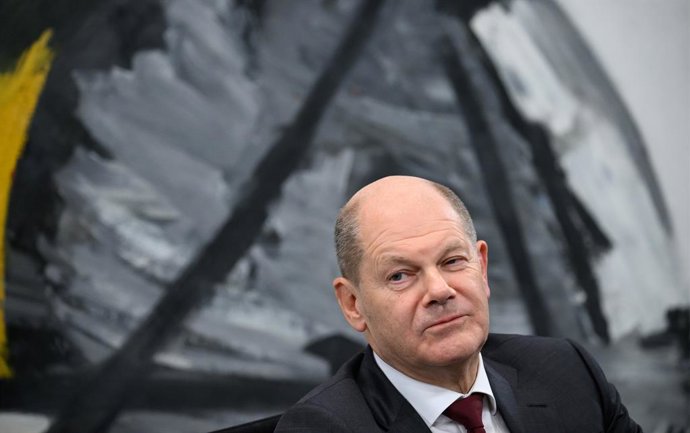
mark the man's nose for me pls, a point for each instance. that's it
(438, 291)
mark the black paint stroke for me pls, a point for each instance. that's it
(574, 221)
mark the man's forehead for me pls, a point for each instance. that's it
(408, 237)
(401, 212)
(447, 245)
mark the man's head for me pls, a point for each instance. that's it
(347, 245)
(414, 277)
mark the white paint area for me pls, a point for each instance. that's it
(644, 46)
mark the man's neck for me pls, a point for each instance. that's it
(457, 377)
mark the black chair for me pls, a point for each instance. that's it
(265, 425)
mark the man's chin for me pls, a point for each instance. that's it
(452, 356)
(459, 348)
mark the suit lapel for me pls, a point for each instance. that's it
(390, 409)
(408, 421)
(503, 380)
(523, 408)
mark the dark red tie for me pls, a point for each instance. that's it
(468, 412)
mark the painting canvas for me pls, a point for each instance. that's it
(172, 171)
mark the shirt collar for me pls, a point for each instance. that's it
(430, 400)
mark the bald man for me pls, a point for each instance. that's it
(414, 283)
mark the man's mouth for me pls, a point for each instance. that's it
(444, 320)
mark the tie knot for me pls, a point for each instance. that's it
(468, 412)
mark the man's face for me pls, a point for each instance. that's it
(422, 296)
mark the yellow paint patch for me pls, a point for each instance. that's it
(19, 92)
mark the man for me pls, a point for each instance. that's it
(414, 282)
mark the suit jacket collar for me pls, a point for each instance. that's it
(389, 408)
(524, 408)
(503, 380)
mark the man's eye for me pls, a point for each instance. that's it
(398, 276)
(454, 261)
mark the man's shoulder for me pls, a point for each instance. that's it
(532, 351)
(556, 362)
(327, 405)
(340, 386)
(560, 372)
(512, 342)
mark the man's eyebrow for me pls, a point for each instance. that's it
(456, 245)
(402, 260)
(395, 260)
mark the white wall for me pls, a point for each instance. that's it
(644, 45)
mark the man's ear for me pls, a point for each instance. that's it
(347, 295)
(483, 253)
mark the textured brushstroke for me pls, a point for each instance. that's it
(182, 144)
(302, 224)
(104, 393)
(19, 92)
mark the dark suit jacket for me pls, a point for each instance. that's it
(542, 385)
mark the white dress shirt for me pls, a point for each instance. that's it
(430, 400)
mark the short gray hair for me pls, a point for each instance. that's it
(347, 246)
